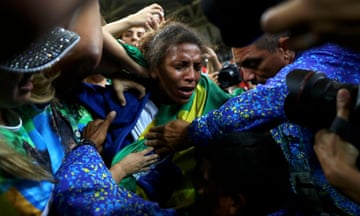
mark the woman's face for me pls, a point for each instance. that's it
(133, 35)
(180, 72)
(15, 88)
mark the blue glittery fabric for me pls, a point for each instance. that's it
(265, 103)
(85, 187)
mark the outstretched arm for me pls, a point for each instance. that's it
(316, 21)
(86, 55)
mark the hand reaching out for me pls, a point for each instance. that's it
(132, 163)
(96, 130)
(121, 85)
(170, 137)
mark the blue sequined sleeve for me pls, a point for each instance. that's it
(264, 104)
(245, 111)
(85, 187)
(257, 107)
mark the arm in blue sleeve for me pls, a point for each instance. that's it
(249, 110)
(85, 187)
(260, 106)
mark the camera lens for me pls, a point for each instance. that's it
(311, 101)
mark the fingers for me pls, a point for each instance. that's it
(159, 11)
(303, 41)
(281, 17)
(154, 132)
(119, 89)
(150, 159)
(109, 118)
(95, 123)
(121, 97)
(321, 133)
(156, 6)
(140, 88)
(163, 150)
(146, 159)
(147, 151)
(343, 104)
(121, 85)
(154, 137)
(156, 143)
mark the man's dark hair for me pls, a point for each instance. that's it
(269, 42)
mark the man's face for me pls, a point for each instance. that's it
(258, 65)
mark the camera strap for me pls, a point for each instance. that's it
(342, 127)
(307, 198)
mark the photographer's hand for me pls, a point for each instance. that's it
(97, 129)
(338, 157)
(313, 22)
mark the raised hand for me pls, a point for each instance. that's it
(149, 17)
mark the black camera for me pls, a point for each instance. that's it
(311, 101)
(229, 75)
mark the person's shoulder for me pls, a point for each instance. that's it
(327, 48)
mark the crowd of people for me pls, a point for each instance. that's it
(119, 118)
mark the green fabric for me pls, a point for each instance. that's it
(129, 182)
(134, 53)
(15, 140)
(77, 116)
(206, 97)
(238, 91)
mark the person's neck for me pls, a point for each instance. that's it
(159, 98)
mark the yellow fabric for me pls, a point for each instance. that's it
(20, 203)
(6, 207)
(197, 108)
(185, 195)
(207, 96)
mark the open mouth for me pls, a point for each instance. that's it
(186, 92)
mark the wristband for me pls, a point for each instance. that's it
(341, 127)
(85, 141)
